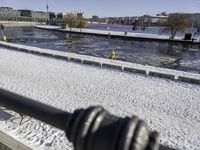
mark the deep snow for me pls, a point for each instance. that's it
(170, 107)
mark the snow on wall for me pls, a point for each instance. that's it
(150, 33)
(120, 65)
(106, 32)
(168, 106)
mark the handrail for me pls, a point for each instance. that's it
(88, 129)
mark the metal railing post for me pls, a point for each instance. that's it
(88, 129)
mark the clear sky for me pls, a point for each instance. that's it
(106, 8)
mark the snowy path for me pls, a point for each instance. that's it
(170, 107)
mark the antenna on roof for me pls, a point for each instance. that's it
(47, 7)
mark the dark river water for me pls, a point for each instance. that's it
(174, 56)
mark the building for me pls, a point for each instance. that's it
(9, 14)
(40, 16)
(25, 13)
(52, 15)
(79, 15)
(118, 20)
(95, 18)
(148, 20)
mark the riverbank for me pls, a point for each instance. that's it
(159, 54)
(123, 35)
(107, 63)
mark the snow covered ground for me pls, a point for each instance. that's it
(170, 107)
(49, 26)
(150, 35)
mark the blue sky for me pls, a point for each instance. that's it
(105, 8)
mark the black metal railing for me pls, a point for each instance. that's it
(88, 129)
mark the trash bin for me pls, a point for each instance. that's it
(188, 36)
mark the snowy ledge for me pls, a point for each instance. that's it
(7, 142)
(107, 63)
(123, 35)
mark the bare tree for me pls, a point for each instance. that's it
(176, 22)
(71, 20)
(74, 21)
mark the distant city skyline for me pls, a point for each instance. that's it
(105, 8)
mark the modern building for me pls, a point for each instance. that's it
(148, 20)
(8, 14)
(40, 16)
(60, 15)
(25, 13)
(114, 20)
(95, 18)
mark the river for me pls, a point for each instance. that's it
(174, 56)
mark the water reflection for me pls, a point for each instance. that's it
(27, 31)
(168, 55)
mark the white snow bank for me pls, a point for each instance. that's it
(148, 34)
(102, 61)
(48, 26)
(170, 107)
(154, 34)
(106, 32)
